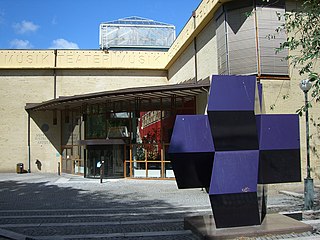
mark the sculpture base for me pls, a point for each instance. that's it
(273, 224)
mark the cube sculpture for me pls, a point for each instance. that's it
(234, 151)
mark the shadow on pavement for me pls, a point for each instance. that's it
(45, 209)
(16, 195)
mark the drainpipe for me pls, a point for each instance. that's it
(29, 148)
(226, 39)
(55, 75)
(195, 60)
(195, 49)
(257, 39)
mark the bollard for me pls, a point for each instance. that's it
(59, 168)
(101, 171)
(308, 193)
(19, 168)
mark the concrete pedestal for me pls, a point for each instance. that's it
(273, 224)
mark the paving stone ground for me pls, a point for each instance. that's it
(47, 206)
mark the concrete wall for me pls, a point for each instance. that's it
(183, 69)
(16, 89)
(207, 60)
(71, 82)
(198, 61)
(45, 142)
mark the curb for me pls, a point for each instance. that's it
(292, 194)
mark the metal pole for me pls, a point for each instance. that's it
(308, 182)
(307, 133)
(101, 171)
(29, 145)
(55, 75)
(59, 168)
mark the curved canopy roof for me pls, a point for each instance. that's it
(137, 21)
(130, 95)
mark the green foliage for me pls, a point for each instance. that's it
(140, 155)
(303, 29)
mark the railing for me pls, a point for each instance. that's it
(147, 161)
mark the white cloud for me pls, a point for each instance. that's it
(25, 27)
(63, 44)
(20, 44)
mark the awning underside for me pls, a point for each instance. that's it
(130, 95)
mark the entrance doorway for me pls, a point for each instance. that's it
(66, 160)
(113, 157)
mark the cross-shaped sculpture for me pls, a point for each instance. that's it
(235, 150)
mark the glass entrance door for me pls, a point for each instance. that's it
(113, 157)
(67, 163)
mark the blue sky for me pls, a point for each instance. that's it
(44, 24)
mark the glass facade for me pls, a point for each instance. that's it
(72, 132)
(112, 155)
(136, 32)
(132, 143)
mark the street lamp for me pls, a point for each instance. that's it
(305, 86)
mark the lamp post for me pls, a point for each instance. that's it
(305, 86)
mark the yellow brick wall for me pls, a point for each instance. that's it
(16, 89)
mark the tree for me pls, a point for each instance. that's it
(303, 29)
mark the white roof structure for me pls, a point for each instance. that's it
(136, 32)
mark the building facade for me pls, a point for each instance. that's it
(73, 109)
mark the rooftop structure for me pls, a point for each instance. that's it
(136, 32)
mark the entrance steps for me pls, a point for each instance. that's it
(105, 223)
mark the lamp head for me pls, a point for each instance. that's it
(305, 85)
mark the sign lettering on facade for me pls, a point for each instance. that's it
(41, 139)
(83, 59)
(119, 59)
(150, 118)
(26, 58)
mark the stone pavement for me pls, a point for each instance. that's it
(47, 206)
